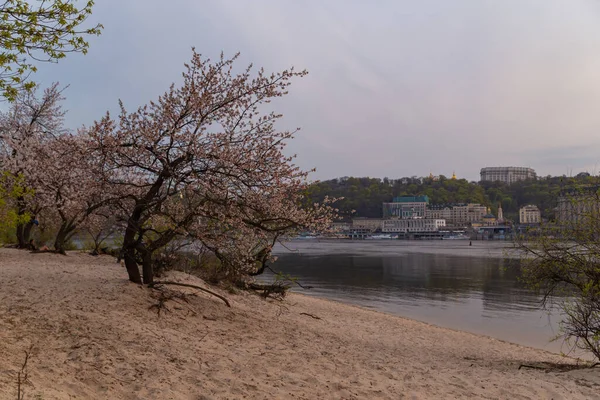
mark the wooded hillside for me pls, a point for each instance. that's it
(366, 195)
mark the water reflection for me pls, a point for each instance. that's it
(481, 295)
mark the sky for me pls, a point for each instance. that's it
(395, 88)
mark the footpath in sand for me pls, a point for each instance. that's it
(92, 335)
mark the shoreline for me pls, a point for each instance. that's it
(570, 356)
(429, 324)
(95, 335)
(458, 248)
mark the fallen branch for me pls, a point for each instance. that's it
(310, 315)
(193, 287)
(560, 367)
(531, 366)
(277, 289)
(162, 299)
(23, 376)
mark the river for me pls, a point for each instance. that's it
(446, 283)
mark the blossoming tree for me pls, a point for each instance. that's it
(28, 125)
(206, 162)
(52, 165)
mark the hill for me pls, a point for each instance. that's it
(366, 195)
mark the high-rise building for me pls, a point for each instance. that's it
(507, 174)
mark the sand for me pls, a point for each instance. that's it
(93, 336)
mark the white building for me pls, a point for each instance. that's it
(412, 225)
(507, 174)
(530, 215)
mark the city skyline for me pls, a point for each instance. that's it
(398, 86)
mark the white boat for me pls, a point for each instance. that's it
(379, 237)
(456, 237)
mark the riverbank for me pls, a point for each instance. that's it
(92, 334)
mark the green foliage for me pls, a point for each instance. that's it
(8, 235)
(562, 262)
(38, 31)
(366, 195)
(11, 189)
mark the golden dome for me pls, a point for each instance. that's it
(453, 175)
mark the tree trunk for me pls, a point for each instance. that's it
(21, 237)
(130, 242)
(24, 234)
(128, 252)
(59, 241)
(147, 269)
(65, 233)
(131, 265)
(27, 231)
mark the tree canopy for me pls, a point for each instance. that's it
(561, 262)
(43, 31)
(202, 165)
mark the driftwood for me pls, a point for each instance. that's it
(193, 287)
(23, 376)
(531, 366)
(310, 315)
(559, 367)
(277, 290)
(162, 299)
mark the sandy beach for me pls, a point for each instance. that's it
(93, 335)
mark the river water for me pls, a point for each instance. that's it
(446, 283)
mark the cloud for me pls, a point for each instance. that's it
(394, 88)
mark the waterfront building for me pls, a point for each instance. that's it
(368, 224)
(530, 214)
(406, 207)
(507, 174)
(417, 225)
(340, 226)
(489, 219)
(457, 214)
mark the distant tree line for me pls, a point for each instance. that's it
(363, 197)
